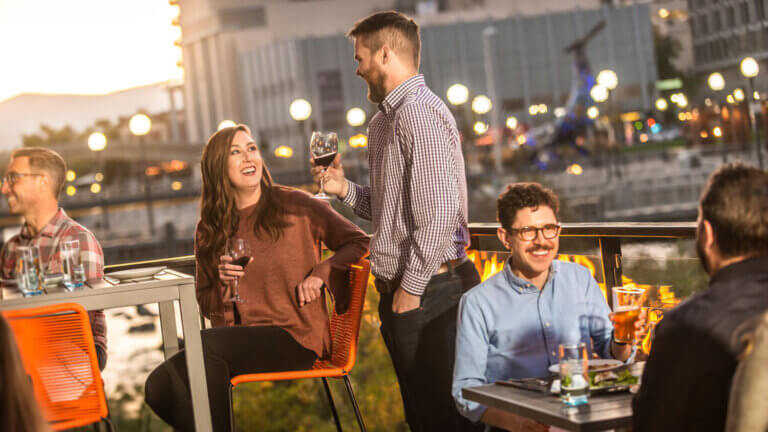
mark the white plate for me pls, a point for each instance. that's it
(595, 365)
(135, 273)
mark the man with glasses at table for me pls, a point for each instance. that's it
(32, 184)
(510, 326)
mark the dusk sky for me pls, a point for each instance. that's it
(85, 46)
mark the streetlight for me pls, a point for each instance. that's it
(608, 79)
(140, 125)
(97, 142)
(716, 81)
(480, 127)
(593, 112)
(717, 84)
(356, 117)
(225, 124)
(511, 122)
(750, 69)
(457, 94)
(661, 104)
(481, 104)
(738, 94)
(300, 110)
(599, 93)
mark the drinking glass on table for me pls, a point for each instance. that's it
(26, 272)
(72, 264)
(627, 303)
(574, 374)
(323, 147)
(237, 249)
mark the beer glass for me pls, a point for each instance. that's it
(574, 374)
(627, 303)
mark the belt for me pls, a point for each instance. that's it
(390, 286)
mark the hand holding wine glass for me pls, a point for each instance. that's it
(237, 249)
(323, 146)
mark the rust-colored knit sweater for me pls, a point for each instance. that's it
(271, 279)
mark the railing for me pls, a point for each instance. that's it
(608, 237)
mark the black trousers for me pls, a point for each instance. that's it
(422, 344)
(228, 351)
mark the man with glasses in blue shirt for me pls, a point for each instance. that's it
(509, 326)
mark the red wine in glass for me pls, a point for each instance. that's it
(323, 146)
(242, 261)
(326, 160)
(237, 248)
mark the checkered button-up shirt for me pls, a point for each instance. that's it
(49, 239)
(417, 199)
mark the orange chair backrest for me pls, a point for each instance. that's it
(57, 350)
(345, 327)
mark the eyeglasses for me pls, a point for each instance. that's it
(13, 177)
(528, 233)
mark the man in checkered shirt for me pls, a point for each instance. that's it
(417, 202)
(32, 183)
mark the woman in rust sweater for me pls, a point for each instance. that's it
(282, 324)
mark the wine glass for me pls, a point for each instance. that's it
(237, 248)
(323, 147)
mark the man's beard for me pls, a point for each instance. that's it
(376, 92)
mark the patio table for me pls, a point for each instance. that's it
(164, 289)
(605, 411)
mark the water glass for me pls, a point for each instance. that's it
(72, 264)
(574, 374)
(26, 272)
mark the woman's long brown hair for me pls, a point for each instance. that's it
(219, 216)
(18, 409)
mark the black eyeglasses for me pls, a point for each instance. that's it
(528, 233)
(13, 177)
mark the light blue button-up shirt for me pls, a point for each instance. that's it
(509, 329)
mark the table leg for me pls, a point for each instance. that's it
(194, 353)
(168, 329)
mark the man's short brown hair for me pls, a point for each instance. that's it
(397, 30)
(45, 160)
(518, 196)
(735, 202)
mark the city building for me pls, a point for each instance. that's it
(726, 31)
(246, 61)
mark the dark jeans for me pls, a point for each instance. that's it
(228, 351)
(422, 345)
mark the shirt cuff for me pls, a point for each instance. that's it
(354, 194)
(413, 283)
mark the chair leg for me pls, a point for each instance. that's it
(333, 406)
(354, 403)
(231, 409)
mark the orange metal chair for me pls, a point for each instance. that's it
(57, 350)
(345, 329)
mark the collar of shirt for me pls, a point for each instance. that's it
(522, 286)
(49, 230)
(395, 98)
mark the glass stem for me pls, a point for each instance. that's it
(322, 183)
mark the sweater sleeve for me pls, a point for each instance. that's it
(348, 242)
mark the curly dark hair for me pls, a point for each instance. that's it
(518, 196)
(735, 202)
